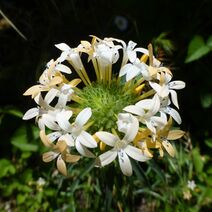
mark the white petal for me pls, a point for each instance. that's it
(125, 163)
(63, 68)
(62, 119)
(83, 116)
(174, 114)
(62, 100)
(107, 157)
(125, 69)
(174, 98)
(156, 87)
(52, 93)
(87, 140)
(83, 150)
(134, 109)
(107, 138)
(136, 153)
(132, 130)
(68, 139)
(131, 55)
(133, 72)
(31, 113)
(53, 136)
(177, 85)
(63, 47)
(49, 121)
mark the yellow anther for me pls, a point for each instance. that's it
(139, 88)
(102, 146)
(144, 58)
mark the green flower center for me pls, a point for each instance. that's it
(106, 102)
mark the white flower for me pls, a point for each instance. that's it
(166, 109)
(191, 184)
(122, 148)
(72, 55)
(82, 139)
(43, 114)
(125, 121)
(167, 87)
(133, 70)
(146, 110)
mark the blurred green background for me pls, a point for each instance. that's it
(181, 34)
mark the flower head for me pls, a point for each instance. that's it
(122, 109)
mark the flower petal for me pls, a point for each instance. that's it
(107, 138)
(134, 109)
(177, 85)
(175, 134)
(173, 113)
(62, 47)
(83, 116)
(61, 166)
(132, 130)
(31, 113)
(68, 139)
(107, 157)
(63, 68)
(174, 98)
(83, 150)
(137, 154)
(168, 147)
(71, 158)
(62, 119)
(52, 93)
(87, 140)
(49, 156)
(125, 163)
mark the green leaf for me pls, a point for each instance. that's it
(198, 162)
(209, 42)
(20, 140)
(7, 168)
(208, 142)
(196, 49)
(206, 100)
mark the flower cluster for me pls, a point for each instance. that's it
(119, 107)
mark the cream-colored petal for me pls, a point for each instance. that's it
(168, 147)
(61, 166)
(49, 156)
(62, 47)
(34, 90)
(63, 68)
(71, 158)
(107, 157)
(175, 134)
(125, 163)
(107, 138)
(44, 138)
